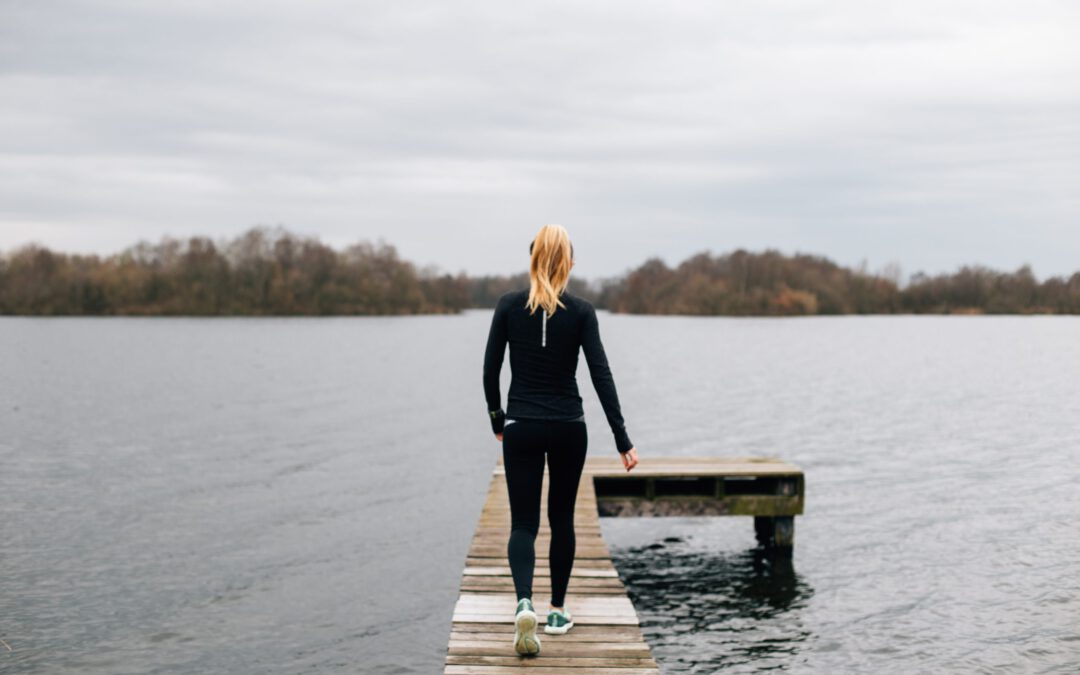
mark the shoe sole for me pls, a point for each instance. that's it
(525, 638)
(551, 630)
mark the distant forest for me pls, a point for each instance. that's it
(270, 271)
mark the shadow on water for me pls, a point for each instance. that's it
(702, 611)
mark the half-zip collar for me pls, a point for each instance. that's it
(543, 332)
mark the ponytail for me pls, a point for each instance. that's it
(549, 268)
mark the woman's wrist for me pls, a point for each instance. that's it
(498, 420)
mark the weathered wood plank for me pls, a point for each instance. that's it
(735, 505)
(601, 617)
(497, 550)
(591, 584)
(574, 660)
(577, 571)
(579, 633)
(600, 633)
(502, 604)
(533, 666)
(697, 467)
(593, 564)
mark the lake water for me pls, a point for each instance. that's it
(298, 495)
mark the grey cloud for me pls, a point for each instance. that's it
(930, 134)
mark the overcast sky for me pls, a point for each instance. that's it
(929, 133)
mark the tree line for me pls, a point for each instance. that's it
(772, 284)
(261, 272)
(270, 271)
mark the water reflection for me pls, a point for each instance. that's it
(704, 610)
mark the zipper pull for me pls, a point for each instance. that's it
(543, 334)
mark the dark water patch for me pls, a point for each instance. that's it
(702, 610)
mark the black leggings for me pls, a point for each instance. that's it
(524, 445)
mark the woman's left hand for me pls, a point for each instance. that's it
(498, 437)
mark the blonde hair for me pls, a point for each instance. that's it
(549, 268)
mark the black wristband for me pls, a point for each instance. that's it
(498, 420)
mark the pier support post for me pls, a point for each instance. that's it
(763, 527)
(775, 532)
(784, 532)
(778, 532)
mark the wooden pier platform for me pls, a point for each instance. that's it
(606, 638)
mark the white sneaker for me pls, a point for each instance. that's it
(526, 641)
(558, 622)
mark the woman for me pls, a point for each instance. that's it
(545, 327)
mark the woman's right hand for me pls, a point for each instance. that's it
(629, 458)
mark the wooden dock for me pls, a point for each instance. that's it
(606, 638)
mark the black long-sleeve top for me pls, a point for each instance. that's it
(543, 363)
